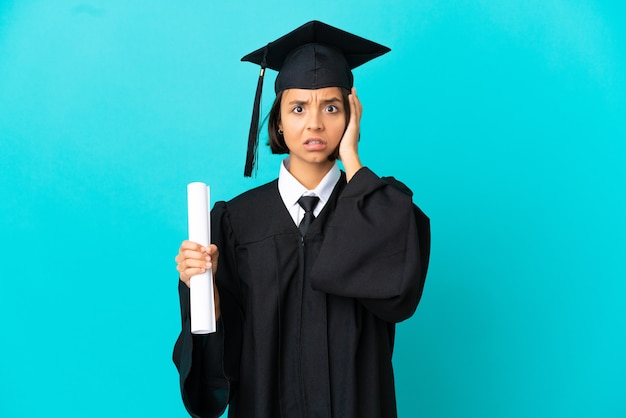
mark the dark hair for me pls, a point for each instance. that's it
(277, 141)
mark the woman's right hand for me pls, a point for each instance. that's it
(193, 259)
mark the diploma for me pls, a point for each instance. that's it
(202, 304)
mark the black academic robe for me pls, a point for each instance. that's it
(307, 325)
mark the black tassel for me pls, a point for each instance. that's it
(253, 136)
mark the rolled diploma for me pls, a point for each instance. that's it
(202, 304)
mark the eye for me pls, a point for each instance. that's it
(298, 109)
(332, 109)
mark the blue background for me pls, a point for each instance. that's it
(507, 119)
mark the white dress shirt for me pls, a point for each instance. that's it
(291, 190)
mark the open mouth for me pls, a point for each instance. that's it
(314, 144)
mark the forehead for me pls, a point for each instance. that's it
(309, 95)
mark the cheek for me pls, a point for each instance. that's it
(338, 129)
(290, 134)
(286, 123)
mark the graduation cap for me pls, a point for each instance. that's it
(313, 56)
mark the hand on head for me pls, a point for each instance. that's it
(349, 146)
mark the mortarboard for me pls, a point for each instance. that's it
(313, 56)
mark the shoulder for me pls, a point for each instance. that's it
(259, 200)
(365, 181)
(255, 215)
(255, 196)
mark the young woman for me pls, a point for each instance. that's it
(313, 269)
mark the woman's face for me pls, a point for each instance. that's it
(313, 123)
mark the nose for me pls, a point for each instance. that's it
(314, 121)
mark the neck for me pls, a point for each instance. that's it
(309, 175)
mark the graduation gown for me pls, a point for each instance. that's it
(307, 323)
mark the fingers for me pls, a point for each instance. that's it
(214, 255)
(356, 108)
(353, 128)
(349, 148)
(212, 250)
(349, 141)
(194, 259)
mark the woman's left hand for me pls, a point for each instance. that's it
(349, 146)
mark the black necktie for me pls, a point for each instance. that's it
(308, 203)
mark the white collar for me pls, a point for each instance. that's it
(291, 189)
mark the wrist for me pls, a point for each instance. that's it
(351, 165)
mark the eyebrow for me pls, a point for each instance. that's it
(326, 101)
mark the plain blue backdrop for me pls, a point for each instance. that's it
(507, 119)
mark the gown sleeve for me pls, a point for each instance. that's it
(207, 375)
(376, 248)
